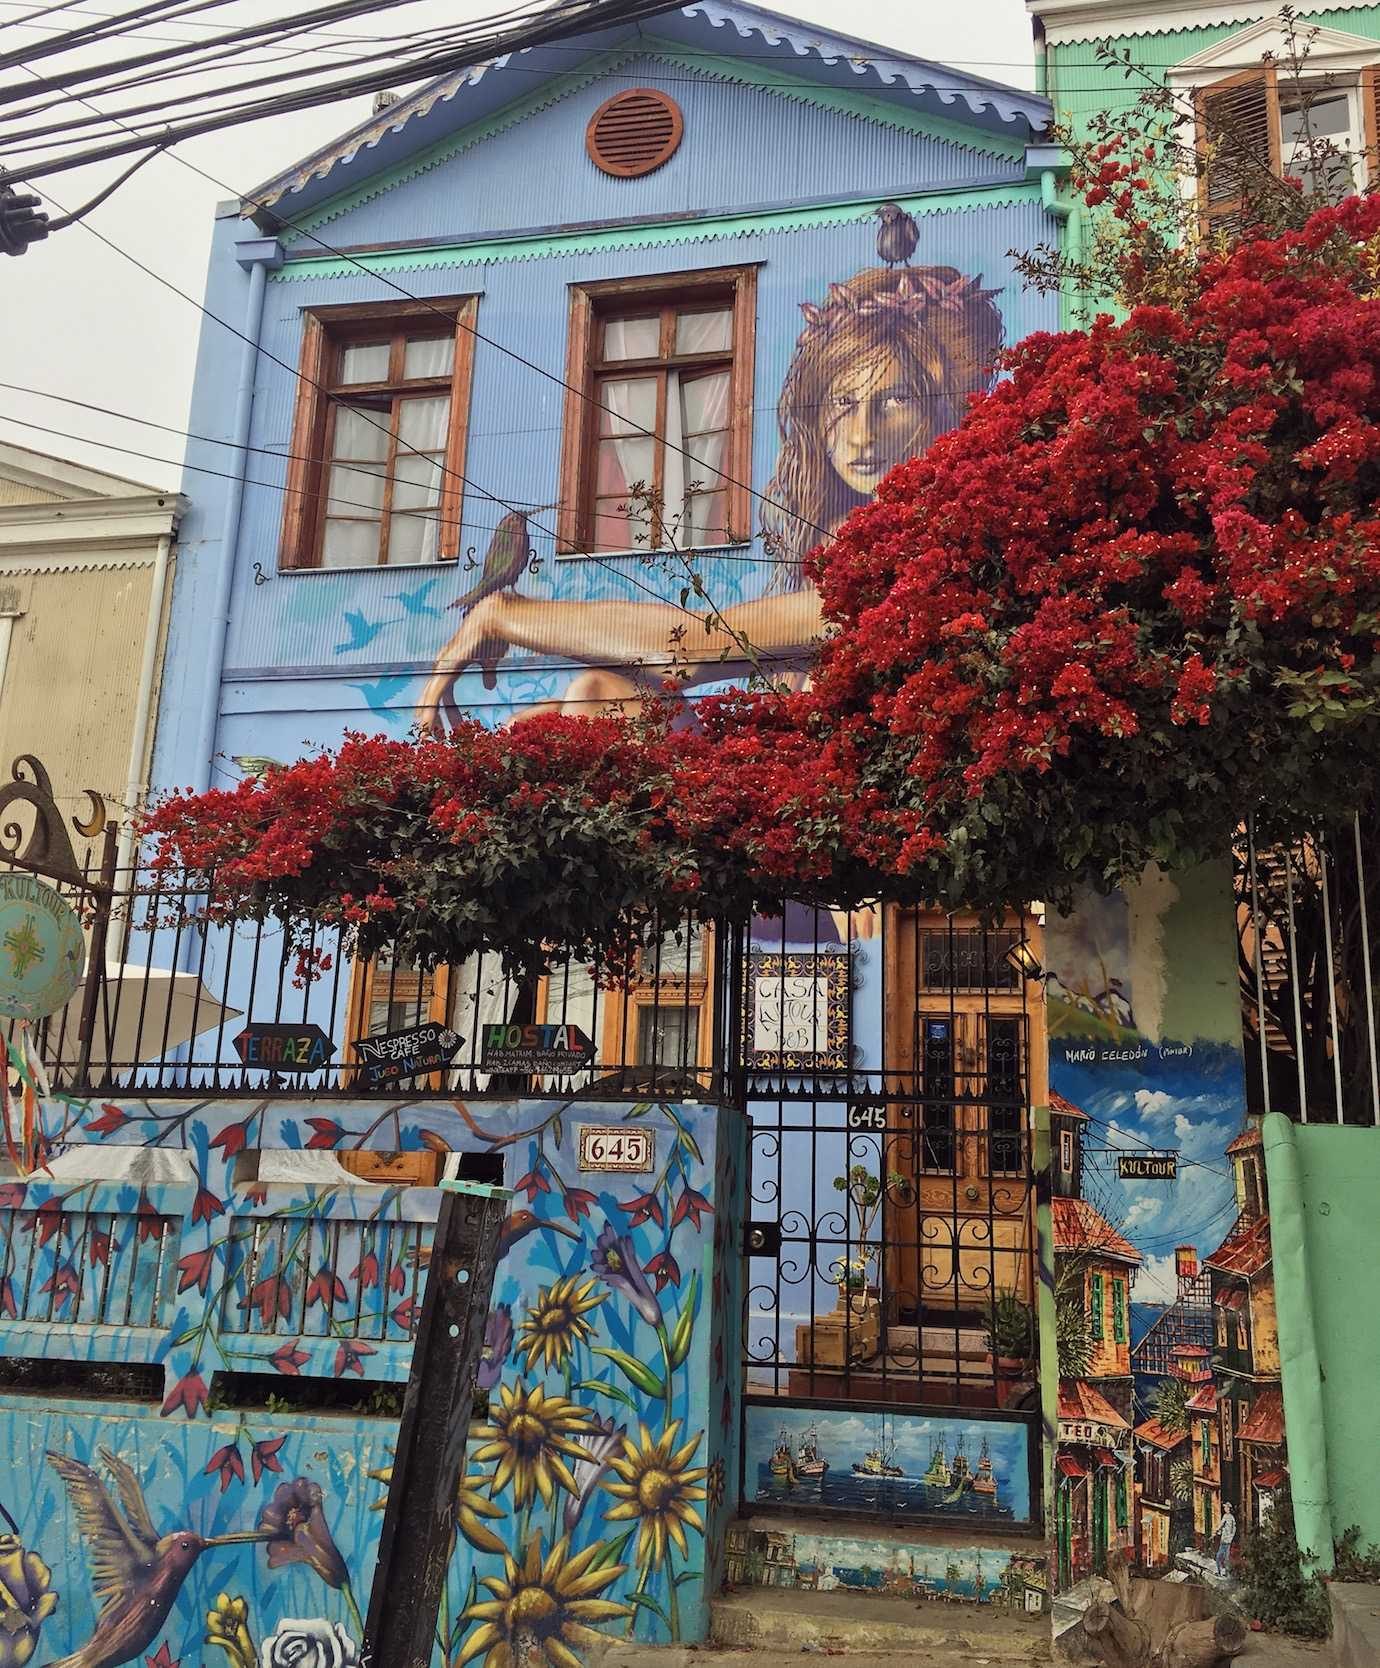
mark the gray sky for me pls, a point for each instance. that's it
(80, 320)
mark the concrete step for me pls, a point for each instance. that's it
(1355, 1624)
(790, 1621)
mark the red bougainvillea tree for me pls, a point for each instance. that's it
(1133, 596)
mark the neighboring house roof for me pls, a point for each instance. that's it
(1080, 1400)
(53, 479)
(1266, 1422)
(1159, 1436)
(1205, 1401)
(826, 57)
(1062, 1108)
(56, 515)
(1245, 1250)
(1078, 1227)
(1080, 20)
(1249, 1138)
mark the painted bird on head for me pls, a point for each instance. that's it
(136, 1573)
(508, 554)
(897, 235)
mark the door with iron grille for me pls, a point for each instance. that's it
(890, 1337)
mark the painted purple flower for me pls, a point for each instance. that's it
(616, 1264)
(600, 1445)
(498, 1340)
(300, 1535)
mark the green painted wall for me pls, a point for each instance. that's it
(1328, 1180)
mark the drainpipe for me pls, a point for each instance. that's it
(258, 256)
(1068, 211)
(1046, 1324)
(136, 786)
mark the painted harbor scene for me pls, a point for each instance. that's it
(905, 1465)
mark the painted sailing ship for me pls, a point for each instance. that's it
(808, 1461)
(960, 1472)
(879, 1462)
(984, 1482)
(782, 1461)
(937, 1476)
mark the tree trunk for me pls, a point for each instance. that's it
(1120, 1640)
(1205, 1644)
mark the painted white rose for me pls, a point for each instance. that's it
(311, 1643)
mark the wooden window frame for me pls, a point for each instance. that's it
(364, 976)
(1267, 75)
(325, 330)
(590, 304)
(1097, 1299)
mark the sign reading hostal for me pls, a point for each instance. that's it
(531, 1049)
(42, 951)
(394, 1055)
(272, 1046)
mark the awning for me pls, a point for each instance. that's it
(1268, 1479)
(1069, 1467)
(1106, 1459)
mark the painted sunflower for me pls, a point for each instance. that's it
(542, 1613)
(531, 1435)
(471, 1504)
(556, 1321)
(715, 1484)
(657, 1484)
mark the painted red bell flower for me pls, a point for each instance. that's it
(406, 1313)
(228, 1463)
(111, 1119)
(644, 1207)
(366, 1271)
(289, 1360)
(98, 1249)
(64, 1283)
(189, 1393)
(47, 1219)
(12, 1195)
(397, 1278)
(206, 1206)
(264, 1456)
(163, 1658)
(577, 1202)
(691, 1205)
(664, 1269)
(295, 1519)
(531, 1184)
(151, 1223)
(325, 1287)
(272, 1297)
(349, 1358)
(7, 1303)
(195, 1270)
(325, 1134)
(234, 1138)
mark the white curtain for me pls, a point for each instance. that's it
(480, 995)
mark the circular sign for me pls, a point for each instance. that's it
(42, 951)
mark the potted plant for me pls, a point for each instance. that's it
(852, 1273)
(1010, 1339)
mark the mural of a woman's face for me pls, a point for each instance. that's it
(874, 420)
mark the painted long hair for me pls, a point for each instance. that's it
(945, 331)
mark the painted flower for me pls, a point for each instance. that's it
(646, 1207)
(272, 1296)
(691, 1204)
(544, 1613)
(616, 1264)
(195, 1269)
(12, 1195)
(325, 1134)
(714, 1484)
(233, 1139)
(532, 1435)
(556, 1321)
(498, 1340)
(472, 1505)
(264, 1456)
(300, 1536)
(151, 1223)
(111, 1119)
(7, 1303)
(657, 1486)
(577, 1201)
(325, 1287)
(407, 1314)
(366, 1271)
(47, 1219)
(397, 1279)
(99, 1248)
(531, 1184)
(664, 1269)
(26, 1601)
(206, 1205)
(349, 1358)
(228, 1463)
(163, 1658)
(64, 1283)
(312, 1643)
(289, 1360)
(189, 1393)
(603, 1442)
(227, 1625)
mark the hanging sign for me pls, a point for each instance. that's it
(554, 1050)
(397, 1054)
(1147, 1166)
(272, 1046)
(42, 951)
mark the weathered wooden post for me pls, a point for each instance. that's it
(419, 1519)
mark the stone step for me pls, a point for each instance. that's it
(1355, 1624)
(762, 1619)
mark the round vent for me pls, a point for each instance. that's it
(634, 132)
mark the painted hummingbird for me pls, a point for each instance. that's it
(508, 554)
(515, 1226)
(136, 1573)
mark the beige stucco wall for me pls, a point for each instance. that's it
(71, 680)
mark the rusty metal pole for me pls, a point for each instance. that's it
(419, 1519)
(95, 957)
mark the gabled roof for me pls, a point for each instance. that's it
(1204, 1400)
(1245, 1250)
(789, 46)
(1247, 1141)
(1062, 1108)
(1159, 1436)
(1078, 1227)
(1079, 1400)
(1266, 1423)
(54, 478)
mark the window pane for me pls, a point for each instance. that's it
(428, 356)
(400, 995)
(617, 529)
(623, 464)
(705, 332)
(362, 435)
(416, 481)
(667, 1036)
(364, 362)
(680, 954)
(704, 402)
(627, 405)
(632, 338)
(705, 520)
(413, 538)
(350, 544)
(354, 491)
(422, 424)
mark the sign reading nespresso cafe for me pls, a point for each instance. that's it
(526, 1049)
(272, 1046)
(394, 1055)
(1147, 1166)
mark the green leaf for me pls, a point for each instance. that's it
(684, 1332)
(649, 1603)
(688, 1575)
(688, 1142)
(610, 1390)
(632, 1369)
(610, 1551)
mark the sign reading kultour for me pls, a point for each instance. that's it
(42, 951)
(394, 1055)
(271, 1046)
(528, 1049)
(1147, 1166)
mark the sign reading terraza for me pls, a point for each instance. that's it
(276, 1047)
(397, 1054)
(1147, 1166)
(528, 1049)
